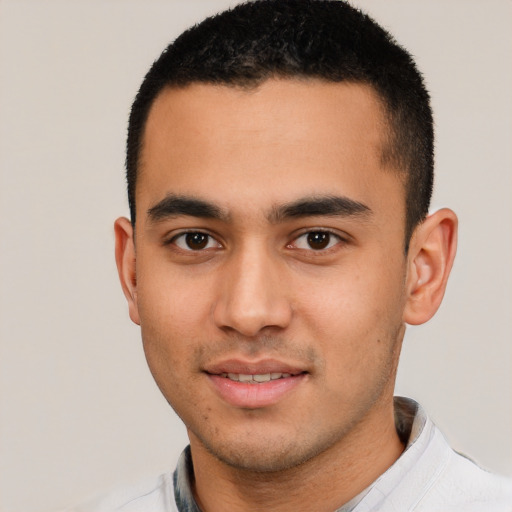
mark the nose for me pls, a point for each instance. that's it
(252, 296)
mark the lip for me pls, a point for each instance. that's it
(253, 367)
(251, 395)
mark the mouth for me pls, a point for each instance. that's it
(257, 378)
(260, 371)
(257, 385)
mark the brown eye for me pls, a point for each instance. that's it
(195, 241)
(318, 240)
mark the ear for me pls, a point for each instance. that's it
(430, 259)
(125, 260)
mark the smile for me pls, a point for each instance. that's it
(255, 379)
(255, 390)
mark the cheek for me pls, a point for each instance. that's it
(172, 341)
(171, 302)
(347, 299)
(355, 315)
(172, 320)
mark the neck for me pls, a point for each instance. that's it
(323, 483)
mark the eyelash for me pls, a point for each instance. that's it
(334, 239)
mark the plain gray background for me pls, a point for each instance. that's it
(79, 412)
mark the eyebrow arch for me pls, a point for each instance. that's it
(174, 205)
(338, 206)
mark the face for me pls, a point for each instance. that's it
(270, 267)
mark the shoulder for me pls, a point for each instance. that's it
(431, 477)
(152, 495)
(464, 486)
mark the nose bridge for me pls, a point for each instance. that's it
(251, 298)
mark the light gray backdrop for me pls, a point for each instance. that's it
(79, 411)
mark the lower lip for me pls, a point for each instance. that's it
(254, 396)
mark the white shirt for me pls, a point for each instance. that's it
(428, 477)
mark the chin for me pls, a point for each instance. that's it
(264, 460)
(263, 454)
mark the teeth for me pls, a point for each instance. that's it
(264, 377)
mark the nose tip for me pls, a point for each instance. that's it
(249, 319)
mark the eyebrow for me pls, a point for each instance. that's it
(174, 205)
(338, 206)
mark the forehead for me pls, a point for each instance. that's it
(284, 137)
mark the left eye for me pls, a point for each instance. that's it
(195, 241)
(316, 240)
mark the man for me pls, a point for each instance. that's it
(279, 166)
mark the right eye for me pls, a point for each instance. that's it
(195, 241)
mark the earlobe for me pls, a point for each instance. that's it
(430, 259)
(125, 260)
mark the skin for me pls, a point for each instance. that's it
(260, 290)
